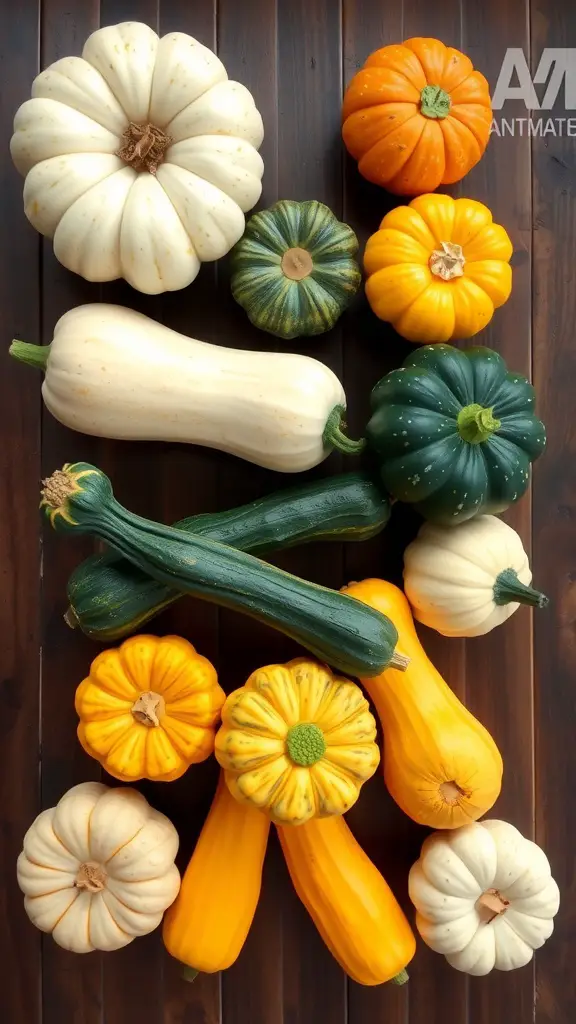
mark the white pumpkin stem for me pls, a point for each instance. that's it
(447, 262)
(508, 588)
(143, 147)
(91, 877)
(149, 708)
(493, 904)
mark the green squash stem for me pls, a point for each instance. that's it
(434, 102)
(509, 588)
(401, 978)
(476, 424)
(32, 355)
(334, 436)
(189, 973)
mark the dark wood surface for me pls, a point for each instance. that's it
(295, 56)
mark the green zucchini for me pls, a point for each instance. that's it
(110, 597)
(335, 628)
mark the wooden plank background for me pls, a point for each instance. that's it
(295, 56)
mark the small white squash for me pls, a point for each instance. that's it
(140, 157)
(464, 580)
(112, 372)
(484, 897)
(98, 869)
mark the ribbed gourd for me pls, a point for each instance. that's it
(294, 270)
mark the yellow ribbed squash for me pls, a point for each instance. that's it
(297, 742)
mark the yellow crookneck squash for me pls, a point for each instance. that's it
(441, 765)
(349, 901)
(149, 708)
(208, 923)
(438, 268)
(297, 742)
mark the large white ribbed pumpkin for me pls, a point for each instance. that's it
(98, 869)
(140, 157)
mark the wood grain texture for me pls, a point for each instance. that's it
(296, 56)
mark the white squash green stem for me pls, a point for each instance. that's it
(112, 372)
(464, 580)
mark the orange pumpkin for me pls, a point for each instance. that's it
(416, 116)
(438, 268)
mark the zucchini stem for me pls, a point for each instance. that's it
(334, 436)
(509, 588)
(399, 661)
(33, 355)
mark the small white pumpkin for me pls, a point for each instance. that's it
(98, 869)
(140, 157)
(484, 897)
(464, 580)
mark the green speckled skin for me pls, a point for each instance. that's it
(423, 459)
(335, 628)
(273, 302)
(111, 598)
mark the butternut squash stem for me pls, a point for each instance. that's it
(334, 436)
(32, 355)
(400, 978)
(189, 973)
(509, 588)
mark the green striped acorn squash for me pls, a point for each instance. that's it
(454, 433)
(294, 271)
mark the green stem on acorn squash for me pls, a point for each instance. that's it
(509, 588)
(32, 355)
(334, 436)
(476, 424)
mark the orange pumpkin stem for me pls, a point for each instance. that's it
(143, 147)
(296, 264)
(434, 102)
(447, 262)
(149, 708)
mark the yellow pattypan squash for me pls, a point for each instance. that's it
(149, 708)
(297, 742)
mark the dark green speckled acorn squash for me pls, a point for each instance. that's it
(455, 432)
(294, 271)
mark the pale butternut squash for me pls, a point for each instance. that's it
(441, 765)
(210, 920)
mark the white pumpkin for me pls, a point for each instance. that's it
(140, 157)
(484, 896)
(98, 869)
(464, 580)
(112, 372)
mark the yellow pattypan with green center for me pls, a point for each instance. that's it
(297, 742)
